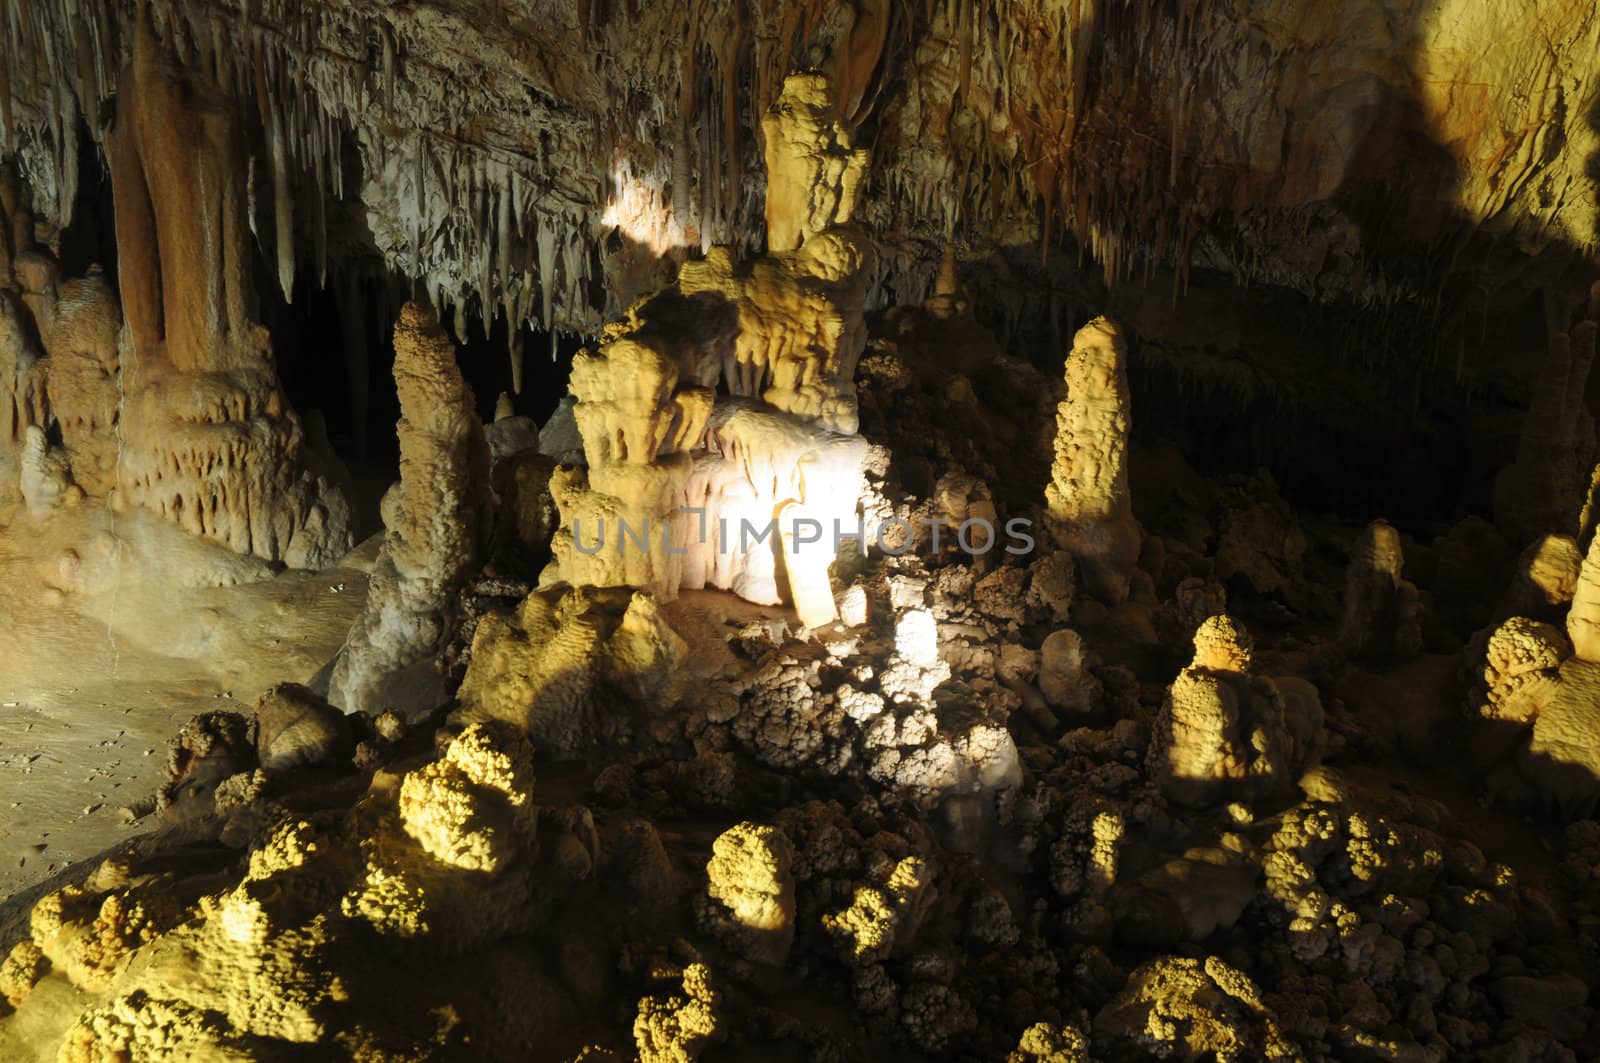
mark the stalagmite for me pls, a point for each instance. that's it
(749, 902)
(1546, 577)
(1088, 494)
(437, 521)
(81, 378)
(1583, 619)
(1544, 490)
(813, 171)
(1380, 607)
(1224, 733)
(46, 480)
(514, 351)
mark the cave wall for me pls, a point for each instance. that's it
(543, 158)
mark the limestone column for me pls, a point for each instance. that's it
(1088, 496)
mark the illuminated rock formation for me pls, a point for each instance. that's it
(1223, 733)
(621, 520)
(778, 497)
(1190, 1009)
(1546, 578)
(447, 856)
(749, 903)
(813, 172)
(574, 668)
(749, 493)
(801, 329)
(1088, 495)
(437, 521)
(678, 1028)
(1583, 618)
(1520, 670)
(206, 436)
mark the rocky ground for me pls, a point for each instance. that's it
(119, 628)
(1271, 805)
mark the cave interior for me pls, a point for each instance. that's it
(996, 530)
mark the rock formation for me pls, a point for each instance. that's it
(749, 491)
(744, 710)
(1225, 734)
(575, 668)
(1380, 605)
(46, 474)
(1546, 578)
(206, 436)
(1064, 676)
(749, 903)
(437, 522)
(1088, 494)
(1544, 489)
(1583, 618)
(1520, 670)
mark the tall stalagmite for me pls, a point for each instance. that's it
(1380, 607)
(1544, 490)
(209, 439)
(437, 520)
(1583, 619)
(1088, 495)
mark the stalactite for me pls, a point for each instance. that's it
(282, 204)
(502, 235)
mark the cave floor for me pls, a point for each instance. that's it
(119, 628)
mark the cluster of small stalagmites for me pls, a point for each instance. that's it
(1543, 489)
(577, 668)
(1543, 681)
(438, 520)
(256, 953)
(58, 366)
(1371, 926)
(912, 695)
